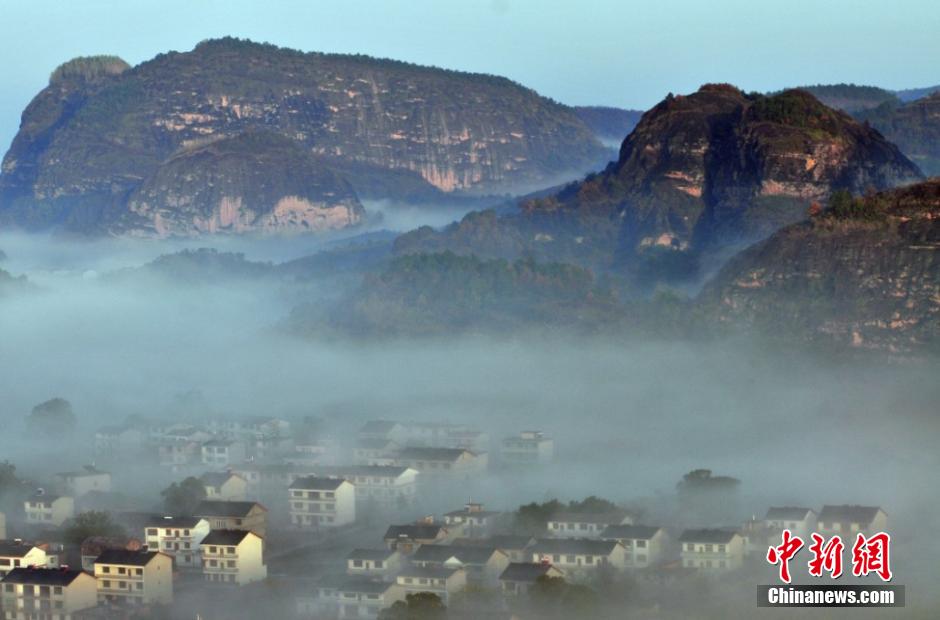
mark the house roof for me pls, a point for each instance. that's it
(849, 514)
(378, 471)
(185, 522)
(787, 513)
(217, 478)
(600, 518)
(225, 537)
(44, 498)
(314, 482)
(378, 426)
(577, 546)
(219, 442)
(419, 531)
(125, 557)
(436, 572)
(363, 585)
(464, 554)
(634, 532)
(43, 576)
(707, 536)
(369, 554)
(221, 508)
(433, 454)
(525, 571)
(14, 549)
(500, 541)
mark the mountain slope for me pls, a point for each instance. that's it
(102, 130)
(699, 175)
(914, 127)
(865, 273)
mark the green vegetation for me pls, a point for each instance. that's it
(553, 597)
(796, 109)
(844, 206)
(417, 606)
(91, 523)
(181, 498)
(89, 68)
(533, 518)
(53, 418)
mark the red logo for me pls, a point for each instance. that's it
(870, 555)
(783, 553)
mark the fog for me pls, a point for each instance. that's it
(629, 417)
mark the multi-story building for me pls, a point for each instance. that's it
(378, 487)
(221, 453)
(473, 521)
(226, 486)
(443, 462)
(380, 563)
(134, 577)
(800, 521)
(322, 502)
(645, 545)
(47, 509)
(585, 525)
(444, 582)
(483, 565)
(528, 448)
(222, 515)
(18, 554)
(118, 441)
(579, 557)
(849, 521)
(375, 451)
(408, 538)
(349, 597)
(53, 593)
(78, 483)
(233, 556)
(515, 546)
(178, 537)
(712, 550)
(519, 577)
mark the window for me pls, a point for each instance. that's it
(152, 531)
(641, 544)
(105, 569)
(139, 571)
(357, 563)
(689, 547)
(721, 548)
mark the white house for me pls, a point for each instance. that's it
(519, 577)
(516, 547)
(380, 563)
(17, 554)
(349, 597)
(115, 441)
(711, 550)
(224, 485)
(528, 448)
(134, 577)
(443, 462)
(233, 556)
(472, 521)
(178, 537)
(322, 502)
(444, 582)
(408, 538)
(89, 478)
(579, 557)
(54, 593)
(848, 521)
(644, 545)
(222, 453)
(376, 451)
(377, 486)
(46, 509)
(231, 515)
(483, 565)
(585, 525)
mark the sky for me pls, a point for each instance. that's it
(607, 52)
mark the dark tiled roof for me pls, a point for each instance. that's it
(577, 546)
(128, 558)
(442, 553)
(786, 513)
(416, 531)
(313, 482)
(848, 514)
(13, 549)
(215, 478)
(166, 521)
(225, 537)
(369, 554)
(433, 454)
(43, 576)
(219, 508)
(378, 471)
(433, 573)
(524, 571)
(635, 532)
(607, 518)
(707, 536)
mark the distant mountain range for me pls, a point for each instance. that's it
(106, 148)
(700, 174)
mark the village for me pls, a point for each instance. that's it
(365, 525)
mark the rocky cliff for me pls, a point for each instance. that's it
(914, 127)
(102, 133)
(700, 174)
(865, 273)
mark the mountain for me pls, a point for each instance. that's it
(851, 97)
(610, 125)
(104, 137)
(699, 175)
(864, 273)
(914, 127)
(910, 94)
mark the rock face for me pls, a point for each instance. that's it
(101, 131)
(701, 174)
(914, 127)
(865, 276)
(610, 125)
(256, 181)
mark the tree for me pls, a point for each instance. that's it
(418, 606)
(92, 523)
(555, 597)
(51, 418)
(12, 489)
(182, 498)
